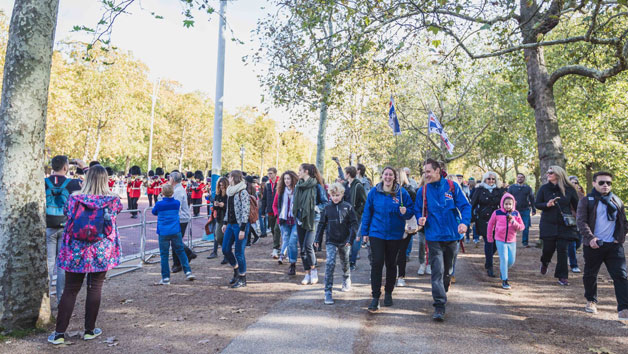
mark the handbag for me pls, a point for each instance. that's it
(568, 219)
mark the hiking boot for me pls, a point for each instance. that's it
(401, 282)
(490, 273)
(374, 306)
(306, 280)
(176, 269)
(439, 314)
(505, 285)
(328, 299)
(236, 275)
(421, 270)
(623, 315)
(388, 299)
(591, 307)
(544, 268)
(240, 283)
(280, 261)
(293, 269)
(575, 269)
(563, 281)
(352, 266)
(164, 281)
(346, 285)
(56, 338)
(189, 276)
(89, 335)
(428, 269)
(212, 255)
(314, 276)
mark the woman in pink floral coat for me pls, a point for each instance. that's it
(91, 247)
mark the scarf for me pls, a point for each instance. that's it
(611, 209)
(273, 184)
(487, 187)
(305, 201)
(233, 190)
(286, 205)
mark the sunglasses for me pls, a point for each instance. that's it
(491, 179)
(608, 183)
(550, 172)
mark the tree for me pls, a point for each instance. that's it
(493, 29)
(24, 296)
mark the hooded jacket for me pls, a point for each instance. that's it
(499, 228)
(78, 256)
(382, 218)
(340, 223)
(444, 211)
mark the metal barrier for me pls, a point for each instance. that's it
(123, 259)
(204, 245)
(144, 255)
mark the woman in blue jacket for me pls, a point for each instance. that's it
(388, 206)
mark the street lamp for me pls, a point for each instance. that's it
(242, 158)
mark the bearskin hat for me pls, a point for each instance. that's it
(109, 171)
(198, 174)
(151, 173)
(135, 170)
(159, 171)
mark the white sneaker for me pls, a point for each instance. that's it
(623, 315)
(306, 280)
(575, 270)
(421, 269)
(275, 254)
(189, 276)
(428, 269)
(346, 285)
(591, 307)
(401, 282)
(314, 276)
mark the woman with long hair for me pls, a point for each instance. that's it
(250, 188)
(283, 209)
(486, 199)
(557, 198)
(236, 222)
(220, 205)
(388, 206)
(91, 247)
(309, 195)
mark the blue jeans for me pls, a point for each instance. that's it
(54, 240)
(355, 246)
(262, 223)
(525, 216)
(571, 252)
(289, 240)
(507, 254)
(343, 253)
(476, 237)
(232, 236)
(177, 248)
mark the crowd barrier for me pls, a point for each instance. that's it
(127, 268)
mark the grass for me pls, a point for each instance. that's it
(20, 333)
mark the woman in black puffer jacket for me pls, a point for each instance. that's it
(555, 198)
(485, 201)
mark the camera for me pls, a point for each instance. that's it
(73, 162)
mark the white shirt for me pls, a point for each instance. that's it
(604, 228)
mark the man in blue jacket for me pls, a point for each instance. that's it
(445, 215)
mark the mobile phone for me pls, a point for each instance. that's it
(599, 242)
(73, 162)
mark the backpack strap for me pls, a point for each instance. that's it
(49, 183)
(65, 183)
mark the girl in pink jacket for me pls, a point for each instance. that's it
(502, 229)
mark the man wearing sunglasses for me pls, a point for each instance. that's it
(602, 222)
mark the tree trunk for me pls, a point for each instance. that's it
(541, 98)
(322, 127)
(127, 164)
(24, 299)
(86, 145)
(589, 175)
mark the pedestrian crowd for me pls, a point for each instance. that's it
(302, 214)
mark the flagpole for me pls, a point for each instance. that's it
(397, 149)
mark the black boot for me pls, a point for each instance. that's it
(374, 306)
(236, 275)
(293, 269)
(240, 283)
(212, 255)
(388, 299)
(224, 260)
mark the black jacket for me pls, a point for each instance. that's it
(524, 196)
(552, 224)
(587, 216)
(356, 196)
(483, 204)
(340, 222)
(268, 196)
(220, 211)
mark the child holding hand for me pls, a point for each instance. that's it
(502, 229)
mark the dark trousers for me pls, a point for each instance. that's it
(306, 244)
(383, 252)
(612, 255)
(73, 284)
(560, 247)
(197, 209)
(489, 252)
(151, 198)
(133, 205)
(442, 256)
(188, 252)
(402, 257)
(274, 229)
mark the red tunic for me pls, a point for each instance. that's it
(112, 183)
(136, 188)
(197, 193)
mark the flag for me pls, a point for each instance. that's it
(435, 127)
(393, 122)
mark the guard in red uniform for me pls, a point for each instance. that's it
(135, 189)
(150, 191)
(112, 181)
(159, 181)
(197, 189)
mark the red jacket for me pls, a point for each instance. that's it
(136, 188)
(197, 193)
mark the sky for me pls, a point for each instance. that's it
(186, 55)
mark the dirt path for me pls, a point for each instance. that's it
(274, 313)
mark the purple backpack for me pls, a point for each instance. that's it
(90, 221)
